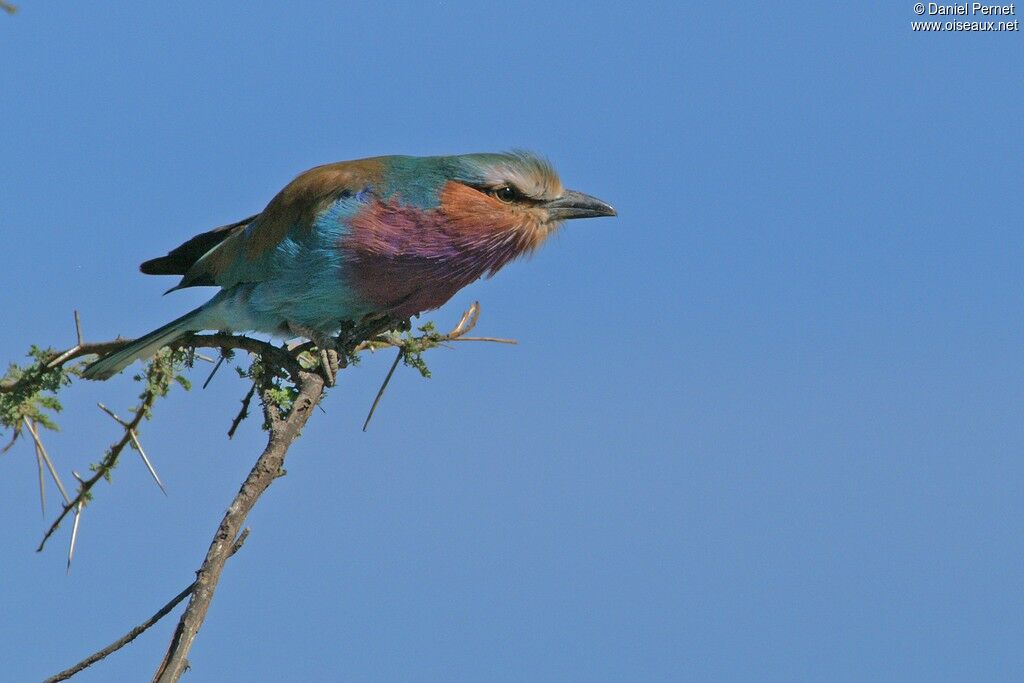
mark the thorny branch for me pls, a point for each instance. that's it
(289, 384)
(138, 630)
(159, 376)
(218, 340)
(243, 412)
(136, 444)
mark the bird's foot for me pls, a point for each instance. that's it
(328, 351)
(329, 365)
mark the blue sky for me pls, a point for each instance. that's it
(766, 424)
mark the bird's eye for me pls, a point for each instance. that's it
(506, 194)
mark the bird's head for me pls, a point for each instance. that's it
(495, 193)
(519, 188)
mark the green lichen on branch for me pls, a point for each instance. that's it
(277, 389)
(283, 396)
(414, 346)
(164, 370)
(32, 391)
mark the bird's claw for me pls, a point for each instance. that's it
(329, 365)
(328, 351)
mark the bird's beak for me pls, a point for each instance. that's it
(574, 204)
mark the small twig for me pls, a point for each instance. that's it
(138, 630)
(124, 640)
(496, 340)
(8, 7)
(112, 415)
(220, 361)
(468, 320)
(244, 412)
(67, 355)
(466, 323)
(383, 386)
(239, 541)
(10, 444)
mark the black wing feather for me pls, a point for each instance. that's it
(182, 258)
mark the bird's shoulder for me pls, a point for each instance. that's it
(296, 207)
(240, 252)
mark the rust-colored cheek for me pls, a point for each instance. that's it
(471, 211)
(473, 214)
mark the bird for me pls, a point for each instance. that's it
(388, 236)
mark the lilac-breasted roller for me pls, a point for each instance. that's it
(392, 236)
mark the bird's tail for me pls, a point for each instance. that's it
(145, 346)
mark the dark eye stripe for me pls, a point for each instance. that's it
(517, 196)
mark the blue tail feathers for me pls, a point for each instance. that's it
(145, 346)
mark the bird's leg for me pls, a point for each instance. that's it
(352, 333)
(327, 347)
(343, 342)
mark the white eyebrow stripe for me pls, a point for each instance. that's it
(538, 188)
(532, 176)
